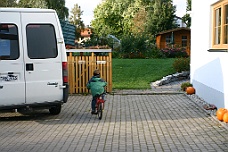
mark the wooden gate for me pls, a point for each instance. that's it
(82, 63)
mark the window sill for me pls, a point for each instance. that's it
(217, 50)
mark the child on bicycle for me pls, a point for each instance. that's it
(96, 85)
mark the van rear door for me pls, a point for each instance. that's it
(12, 83)
(43, 65)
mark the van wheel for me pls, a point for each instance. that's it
(55, 110)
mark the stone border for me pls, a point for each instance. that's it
(171, 78)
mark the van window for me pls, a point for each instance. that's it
(9, 48)
(41, 41)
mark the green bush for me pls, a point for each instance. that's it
(156, 53)
(174, 52)
(115, 54)
(185, 85)
(181, 64)
(134, 46)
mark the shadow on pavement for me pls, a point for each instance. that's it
(118, 108)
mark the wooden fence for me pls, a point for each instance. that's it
(82, 63)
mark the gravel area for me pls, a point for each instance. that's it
(210, 109)
(176, 87)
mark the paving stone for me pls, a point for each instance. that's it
(134, 120)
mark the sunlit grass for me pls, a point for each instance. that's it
(139, 73)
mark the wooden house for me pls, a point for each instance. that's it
(85, 34)
(179, 37)
(209, 57)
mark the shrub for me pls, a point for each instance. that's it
(156, 53)
(174, 52)
(185, 85)
(116, 54)
(134, 46)
(181, 64)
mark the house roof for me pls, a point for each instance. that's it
(173, 30)
(86, 32)
(178, 17)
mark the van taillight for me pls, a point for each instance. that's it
(65, 72)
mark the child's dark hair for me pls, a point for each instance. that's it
(96, 72)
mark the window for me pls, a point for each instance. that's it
(41, 41)
(168, 39)
(220, 25)
(9, 46)
(184, 41)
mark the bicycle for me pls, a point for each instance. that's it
(99, 106)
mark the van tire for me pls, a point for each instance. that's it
(55, 110)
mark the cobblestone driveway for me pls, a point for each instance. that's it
(130, 123)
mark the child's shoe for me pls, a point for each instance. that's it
(93, 112)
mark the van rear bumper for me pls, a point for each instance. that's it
(43, 105)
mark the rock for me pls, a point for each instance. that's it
(171, 78)
(157, 83)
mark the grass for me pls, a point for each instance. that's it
(139, 73)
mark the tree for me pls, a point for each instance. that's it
(8, 3)
(32, 3)
(59, 6)
(119, 17)
(109, 18)
(138, 12)
(76, 20)
(138, 21)
(187, 18)
(160, 17)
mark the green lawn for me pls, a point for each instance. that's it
(139, 73)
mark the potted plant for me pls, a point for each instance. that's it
(185, 85)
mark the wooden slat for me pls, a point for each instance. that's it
(70, 72)
(105, 68)
(90, 67)
(77, 74)
(110, 73)
(83, 74)
(80, 76)
(86, 73)
(71, 76)
(74, 84)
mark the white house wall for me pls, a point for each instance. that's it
(209, 70)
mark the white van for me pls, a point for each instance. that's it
(33, 61)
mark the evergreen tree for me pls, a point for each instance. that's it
(160, 17)
(76, 20)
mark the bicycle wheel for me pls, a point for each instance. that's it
(99, 111)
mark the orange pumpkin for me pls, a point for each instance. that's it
(225, 117)
(220, 112)
(190, 90)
